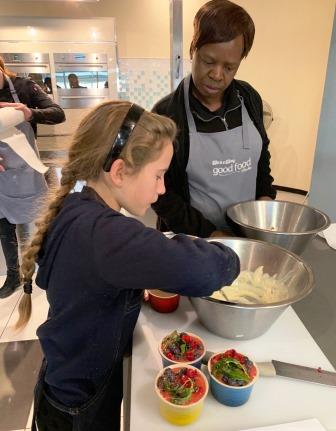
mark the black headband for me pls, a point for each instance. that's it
(125, 131)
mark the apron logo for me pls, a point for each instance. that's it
(228, 167)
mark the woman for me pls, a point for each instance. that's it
(20, 185)
(94, 264)
(222, 153)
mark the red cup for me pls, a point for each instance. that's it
(163, 302)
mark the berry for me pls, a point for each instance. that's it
(191, 373)
(184, 378)
(185, 338)
(190, 356)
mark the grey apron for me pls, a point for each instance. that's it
(222, 166)
(21, 186)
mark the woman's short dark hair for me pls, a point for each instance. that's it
(221, 21)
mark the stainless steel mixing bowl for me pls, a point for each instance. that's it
(287, 224)
(244, 321)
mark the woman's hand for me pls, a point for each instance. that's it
(27, 112)
(2, 169)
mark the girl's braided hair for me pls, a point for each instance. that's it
(87, 153)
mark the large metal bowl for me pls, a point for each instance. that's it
(240, 321)
(287, 224)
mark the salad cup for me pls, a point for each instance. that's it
(232, 377)
(182, 403)
(182, 348)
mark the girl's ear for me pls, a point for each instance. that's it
(117, 172)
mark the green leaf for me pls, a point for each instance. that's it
(169, 339)
(232, 369)
(179, 393)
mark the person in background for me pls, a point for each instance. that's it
(95, 262)
(37, 78)
(222, 155)
(47, 87)
(73, 81)
(20, 185)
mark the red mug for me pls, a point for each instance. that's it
(163, 302)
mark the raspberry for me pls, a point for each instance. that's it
(191, 373)
(185, 338)
(230, 353)
(190, 356)
(184, 378)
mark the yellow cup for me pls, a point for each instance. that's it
(181, 414)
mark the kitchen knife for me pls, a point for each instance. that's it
(284, 369)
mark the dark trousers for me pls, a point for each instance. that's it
(51, 419)
(101, 415)
(9, 244)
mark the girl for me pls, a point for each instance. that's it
(95, 262)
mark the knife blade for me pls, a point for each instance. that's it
(299, 372)
(293, 371)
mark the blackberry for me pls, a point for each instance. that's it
(160, 382)
(232, 382)
(248, 364)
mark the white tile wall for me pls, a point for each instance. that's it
(144, 80)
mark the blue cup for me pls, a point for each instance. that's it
(232, 396)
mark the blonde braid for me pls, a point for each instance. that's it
(68, 181)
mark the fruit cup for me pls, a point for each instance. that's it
(181, 390)
(182, 347)
(232, 376)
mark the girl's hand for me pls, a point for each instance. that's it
(2, 169)
(27, 112)
(217, 234)
(221, 234)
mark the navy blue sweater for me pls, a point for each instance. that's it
(94, 265)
